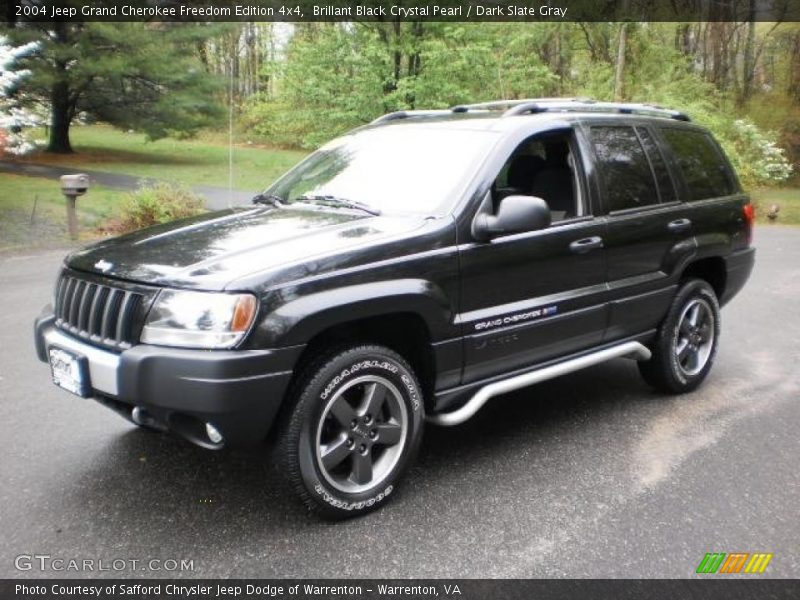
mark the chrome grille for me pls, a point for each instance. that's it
(97, 312)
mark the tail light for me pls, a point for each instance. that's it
(749, 214)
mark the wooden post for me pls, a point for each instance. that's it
(72, 218)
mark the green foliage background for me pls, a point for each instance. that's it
(333, 77)
(298, 85)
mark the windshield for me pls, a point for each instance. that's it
(389, 170)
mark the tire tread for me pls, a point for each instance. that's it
(658, 371)
(290, 427)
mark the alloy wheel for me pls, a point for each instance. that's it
(361, 434)
(695, 340)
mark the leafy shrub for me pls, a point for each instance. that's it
(159, 203)
(755, 154)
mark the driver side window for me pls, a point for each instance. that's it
(543, 166)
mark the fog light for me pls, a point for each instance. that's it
(213, 434)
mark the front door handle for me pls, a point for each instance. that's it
(679, 225)
(586, 245)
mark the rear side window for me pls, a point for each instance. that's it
(701, 163)
(624, 169)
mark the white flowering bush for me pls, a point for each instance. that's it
(14, 119)
(756, 156)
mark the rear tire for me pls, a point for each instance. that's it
(687, 340)
(355, 427)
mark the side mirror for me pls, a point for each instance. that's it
(516, 214)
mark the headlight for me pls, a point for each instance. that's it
(199, 319)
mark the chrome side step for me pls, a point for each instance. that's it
(633, 350)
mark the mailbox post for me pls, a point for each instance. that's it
(73, 186)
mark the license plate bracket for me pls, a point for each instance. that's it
(70, 371)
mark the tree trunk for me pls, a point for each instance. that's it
(749, 61)
(61, 107)
(61, 119)
(398, 56)
(619, 74)
(683, 39)
(793, 85)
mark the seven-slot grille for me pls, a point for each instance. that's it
(99, 313)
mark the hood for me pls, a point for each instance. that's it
(214, 249)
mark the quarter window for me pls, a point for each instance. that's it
(624, 169)
(701, 164)
(665, 187)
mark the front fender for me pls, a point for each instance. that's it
(297, 320)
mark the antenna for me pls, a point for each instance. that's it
(230, 136)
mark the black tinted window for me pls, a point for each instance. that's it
(703, 168)
(665, 187)
(624, 170)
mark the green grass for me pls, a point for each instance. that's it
(194, 162)
(788, 199)
(33, 212)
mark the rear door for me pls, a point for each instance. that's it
(648, 231)
(707, 185)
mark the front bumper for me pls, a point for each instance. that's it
(238, 391)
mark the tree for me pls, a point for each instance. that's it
(13, 118)
(354, 72)
(143, 76)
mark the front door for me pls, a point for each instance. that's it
(530, 297)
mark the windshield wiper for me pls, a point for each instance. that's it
(270, 199)
(337, 201)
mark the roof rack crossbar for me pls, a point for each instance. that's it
(608, 107)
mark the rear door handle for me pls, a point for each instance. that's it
(679, 225)
(586, 245)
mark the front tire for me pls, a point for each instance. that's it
(687, 340)
(355, 427)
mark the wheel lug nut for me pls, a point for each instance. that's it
(367, 418)
(373, 434)
(353, 424)
(349, 442)
(362, 448)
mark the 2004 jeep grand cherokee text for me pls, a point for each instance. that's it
(408, 272)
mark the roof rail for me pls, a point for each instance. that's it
(592, 106)
(524, 106)
(407, 114)
(507, 104)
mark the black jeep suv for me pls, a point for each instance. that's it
(409, 271)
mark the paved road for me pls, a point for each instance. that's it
(591, 475)
(216, 197)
